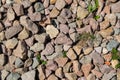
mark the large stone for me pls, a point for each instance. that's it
(115, 7)
(2, 59)
(60, 4)
(30, 75)
(37, 47)
(11, 43)
(81, 12)
(52, 31)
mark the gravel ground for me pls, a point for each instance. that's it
(59, 39)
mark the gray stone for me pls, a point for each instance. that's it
(2, 59)
(38, 6)
(112, 44)
(86, 59)
(72, 25)
(41, 73)
(4, 74)
(37, 47)
(109, 75)
(66, 13)
(46, 3)
(13, 76)
(58, 48)
(117, 31)
(35, 63)
(115, 7)
(30, 75)
(91, 77)
(30, 54)
(105, 69)
(18, 63)
(28, 62)
(12, 31)
(60, 4)
(97, 58)
(98, 49)
(98, 39)
(26, 3)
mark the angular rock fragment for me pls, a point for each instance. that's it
(37, 47)
(18, 8)
(2, 59)
(10, 14)
(60, 4)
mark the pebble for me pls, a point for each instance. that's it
(114, 63)
(64, 28)
(18, 8)
(4, 74)
(60, 4)
(61, 61)
(51, 65)
(104, 51)
(21, 48)
(13, 76)
(58, 48)
(98, 49)
(59, 73)
(106, 32)
(91, 77)
(115, 8)
(63, 39)
(52, 31)
(1, 27)
(12, 31)
(18, 63)
(66, 13)
(28, 62)
(36, 16)
(66, 68)
(52, 1)
(85, 59)
(71, 54)
(41, 38)
(2, 59)
(30, 75)
(38, 6)
(46, 3)
(97, 73)
(111, 18)
(35, 63)
(94, 24)
(10, 14)
(86, 68)
(41, 73)
(11, 43)
(71, 76)
(37, 47)
(52, 77)
(112, 44)
(76, 66)
(105, 24)
(61, 19)
(2, 36)
(87, 50)
(54, 13)
(81, 12)
(23, 34)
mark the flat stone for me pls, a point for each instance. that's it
(109, 75)
(60, 4)
(81, 12)
(63, 39)
(52, 31)
(12, 31)
(30, 75)
(49, 49)
(86, 68)
(115, 8)
(61, 61)
(37, 47)
(18, 8)
(59, 73)
(54, 13)
(41, 73)
(10, 14)
(21, 48)
(71, 76)
(13, 76)
(52, 77)
(28, 24)
(97, 58)
(11, 43)
(106, 32)
(41, 38)
(2, 59)
(23, 34)
(71, 54)
(112, 44)
(105, 24)
(18, 63)
(35, 63)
